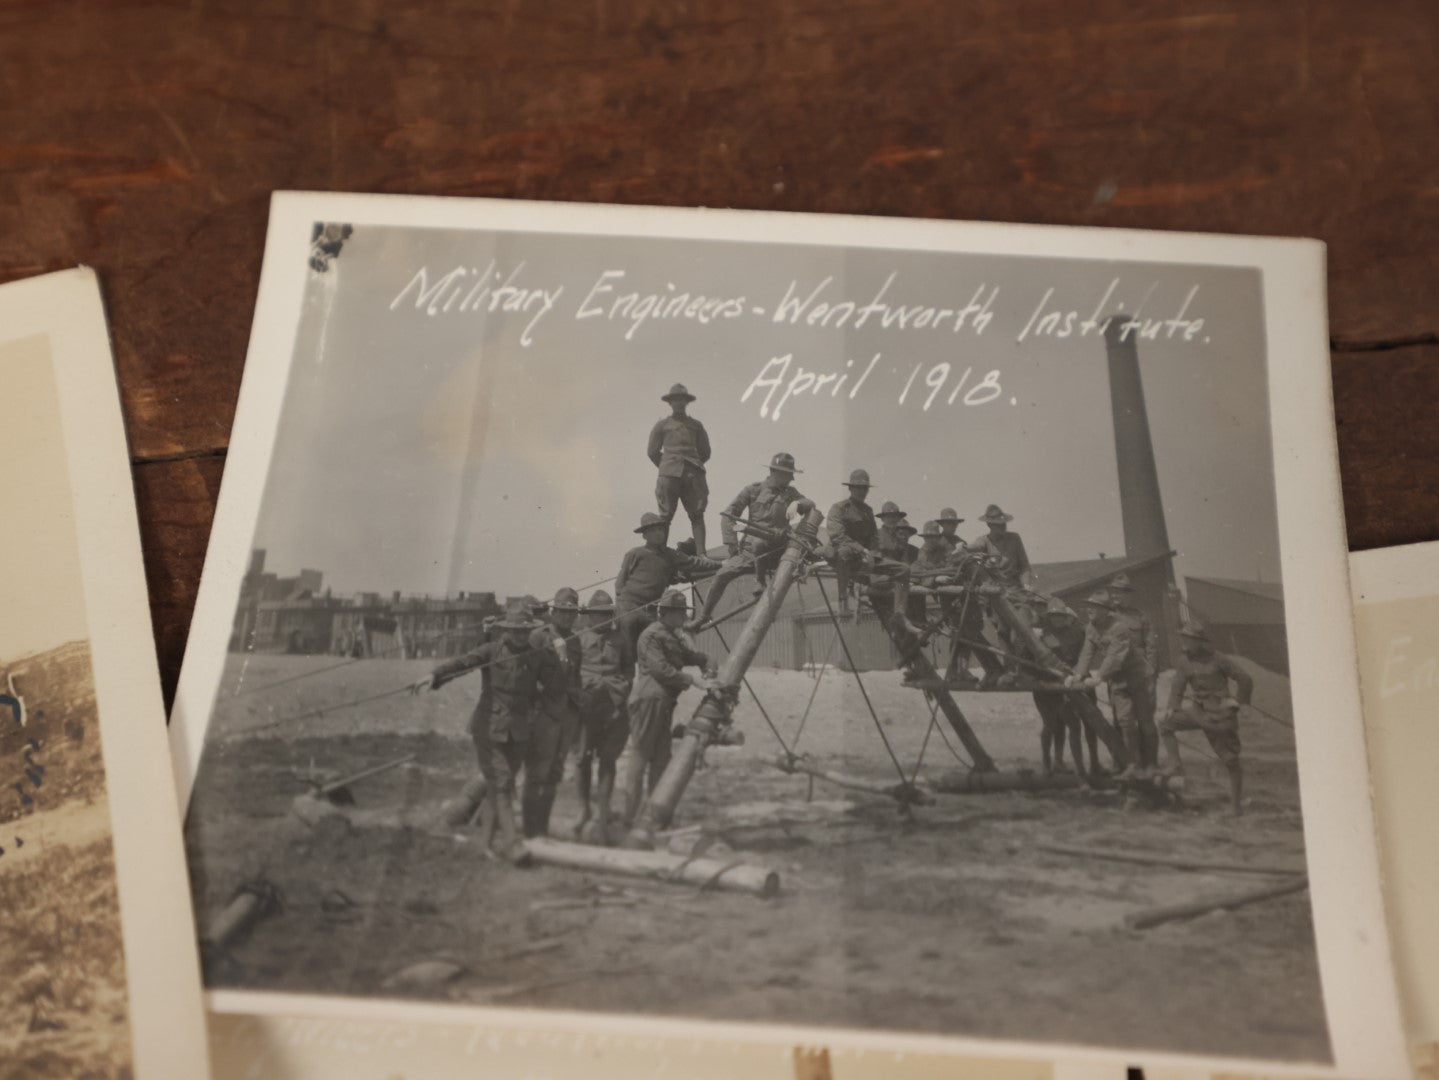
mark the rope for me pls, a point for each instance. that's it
(319, 711)
(819, 676)
(933, 723)
(834, 619)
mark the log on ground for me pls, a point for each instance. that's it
(1143, 920)
(1162, 860)
(660, 865)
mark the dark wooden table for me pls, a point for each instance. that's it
(144, 139)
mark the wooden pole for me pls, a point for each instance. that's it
(905, 794)
(334, 787)
(1143, 920)
(984, 783)
(659, 865)
(921, 670)
(714, 711)
(1162, 860)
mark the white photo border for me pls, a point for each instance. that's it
(162, 970)
(1360, 995)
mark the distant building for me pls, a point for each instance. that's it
(1243, 617)
(292, 615)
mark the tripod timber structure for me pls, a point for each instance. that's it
(1032, 666)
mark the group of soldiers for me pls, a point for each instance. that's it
(608, 689)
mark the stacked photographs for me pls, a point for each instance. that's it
(98, 972)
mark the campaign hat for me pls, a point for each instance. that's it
(566, 599)
(931, 528)
(903, 525)
(678, 390)
(600, 602)
(992, 513)
(672, 600)
(1194, 630)
(949, 513)
(516, 616)
(858, 478)
(1120, 583)
(650, 520)
(890, 509)
(1100, 598)
(784, 461)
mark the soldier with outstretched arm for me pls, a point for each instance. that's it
(766, 503)
(501, 721)
(1206, 674)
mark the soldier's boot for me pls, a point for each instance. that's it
(712, 598)
(1172, 765)
(631, 783)
(584, 770)
(503, 821)
(697, 530)
(546, 805)
(530, 810)
(1134, 752)
(1236, 789)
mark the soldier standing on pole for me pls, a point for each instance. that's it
(679, 447)
(556, 721)
(501, 722)
(663, 656)
(1121, 591)
(767, 503)
(645, 573)
(604, 719)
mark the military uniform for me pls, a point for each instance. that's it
(663, 655)
(767, 503)
(1212, 709)
(1063, 633)
(1121, 662)
(605, 680)
(501, 721)
(556, 717)
(1007, 548)
(854, 545)
(645, 573)
(679, 447)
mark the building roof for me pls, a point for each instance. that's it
(1066, 577)
(1269, 590)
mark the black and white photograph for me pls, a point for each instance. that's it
(747, 619)
(94, 981)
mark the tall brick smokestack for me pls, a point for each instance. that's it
(1140, 506)
(1139, 502)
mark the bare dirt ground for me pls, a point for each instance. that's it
(953, 923)
(63, 1006)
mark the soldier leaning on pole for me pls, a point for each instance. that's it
(766, 504)
(645, 573)
(663, 656)
(1131, 684)
(679, 446)
(854, 551)
(604, 717)
(500, 724)
(557, 711)
(1213, 710)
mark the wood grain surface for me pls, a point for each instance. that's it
(144, 139)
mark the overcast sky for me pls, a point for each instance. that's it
(42, 602)
(469, 449)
